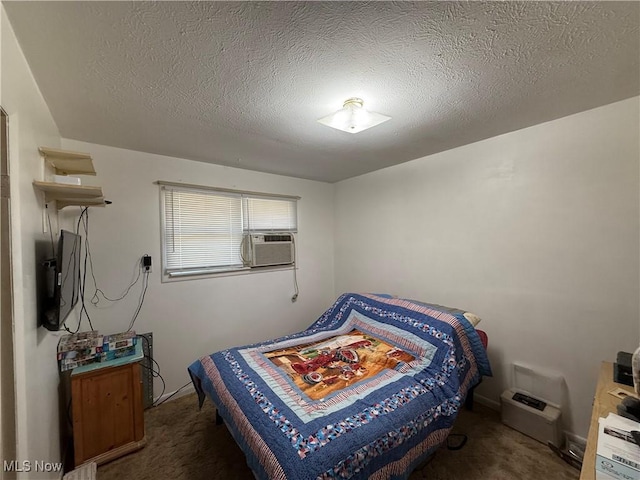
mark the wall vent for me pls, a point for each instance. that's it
(146, 366)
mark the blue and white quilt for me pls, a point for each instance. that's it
(369, 390)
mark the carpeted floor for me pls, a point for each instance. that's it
(185, 444)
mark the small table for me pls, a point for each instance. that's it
(108, 416)
(603, 403)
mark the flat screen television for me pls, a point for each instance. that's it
(60, 282)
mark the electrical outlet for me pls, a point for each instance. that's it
(146, 264)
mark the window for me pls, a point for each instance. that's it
(203, 228)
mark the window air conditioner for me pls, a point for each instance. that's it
(262, 250)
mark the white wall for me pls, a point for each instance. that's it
(30, 126)
(192, 318)
(536, 231)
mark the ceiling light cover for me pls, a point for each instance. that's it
(353, 117)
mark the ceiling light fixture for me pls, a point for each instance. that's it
(353, 117)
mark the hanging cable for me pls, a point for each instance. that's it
(145, 285)
(95, 299)
(83, 307)
(155, 372)
(53, 245)
(81, 277)
(295, 270)
(174, 393)
(87, 265)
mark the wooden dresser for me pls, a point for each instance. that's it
(603, 403)
(108, 416)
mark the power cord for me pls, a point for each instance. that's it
(84, 270)
(294, 298)
(84, 212)
(145, 285)
(53, 245)
(178, 390)
(155, 372)
(82, 277)
(243, 242)
(455, 441)
(95, 299)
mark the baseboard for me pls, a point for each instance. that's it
(185, 391)
(492, 404)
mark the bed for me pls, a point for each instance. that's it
(370, 390)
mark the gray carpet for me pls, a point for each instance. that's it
(185, 444)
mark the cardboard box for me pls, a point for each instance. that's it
(617, 454)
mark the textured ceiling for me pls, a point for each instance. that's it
(243, 83)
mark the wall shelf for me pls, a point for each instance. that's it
(66, 162)
(66, 195)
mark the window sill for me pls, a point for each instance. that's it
(210, 273)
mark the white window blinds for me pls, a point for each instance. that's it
(203, 229)
(270, 214)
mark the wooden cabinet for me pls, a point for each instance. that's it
(107, 410)
(603, 404)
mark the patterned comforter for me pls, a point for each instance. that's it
(369, 390)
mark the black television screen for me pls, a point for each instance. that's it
(61, 282)
(68, 272)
